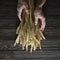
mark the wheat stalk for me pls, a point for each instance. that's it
(29, 35)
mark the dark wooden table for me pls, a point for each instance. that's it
(9, 22)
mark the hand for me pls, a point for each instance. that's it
(39, 16)
(20, 11)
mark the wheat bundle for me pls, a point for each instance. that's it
(29, 35)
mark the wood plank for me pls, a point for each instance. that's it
(47, 45)
(24, 54)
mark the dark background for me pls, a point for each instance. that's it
(9, 22)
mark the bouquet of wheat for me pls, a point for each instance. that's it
(29, 34)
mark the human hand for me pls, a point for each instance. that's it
(39, 16)
(20, 11)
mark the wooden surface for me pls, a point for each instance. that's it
(9, 22)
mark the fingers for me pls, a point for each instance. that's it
(42, 18)
(36, 15)
(20, 11)
(43, 24)
(19, 16)
(36, 20)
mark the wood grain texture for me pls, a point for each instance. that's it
(9, 22)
